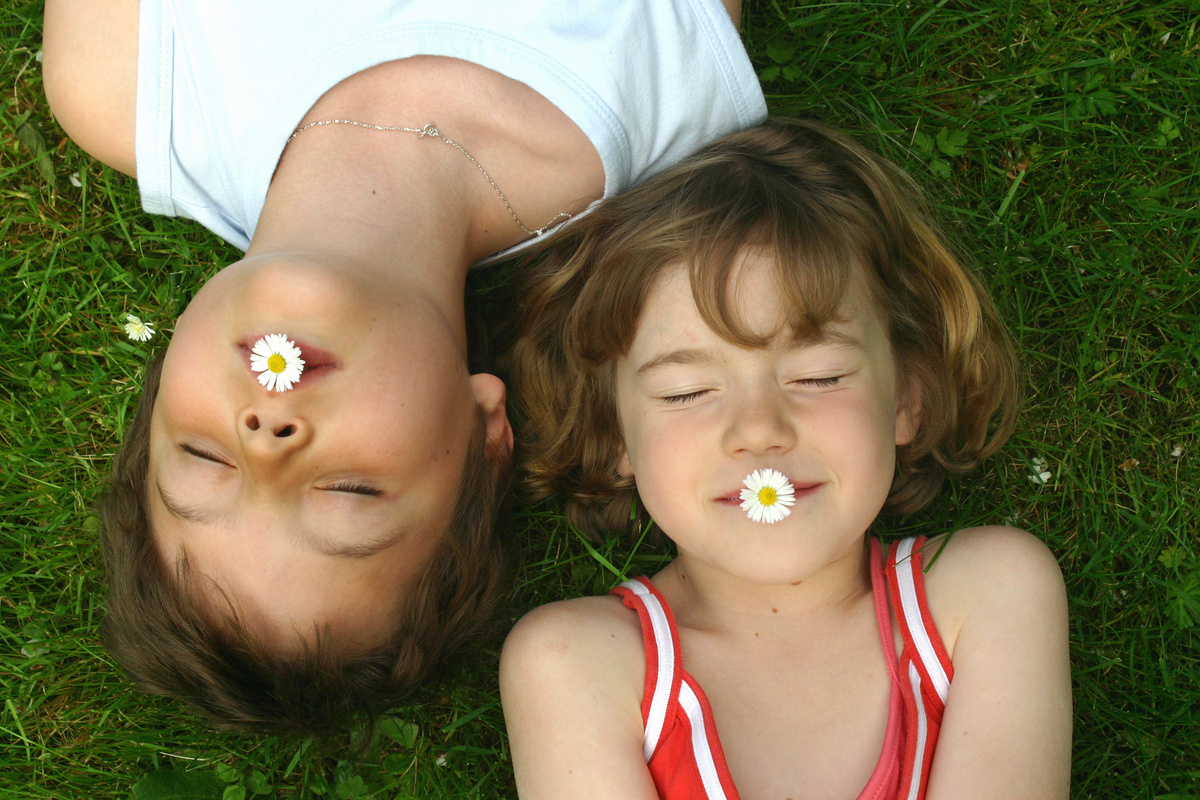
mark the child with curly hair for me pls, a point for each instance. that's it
(761, 350)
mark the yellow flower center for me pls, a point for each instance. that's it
(767, 496)
(277, 363)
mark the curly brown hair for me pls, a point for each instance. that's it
(157, 629)
(824, 206)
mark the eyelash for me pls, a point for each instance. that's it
(821, 383)
(204, 454)
(816, 383)
(354, 488)
(683, 398)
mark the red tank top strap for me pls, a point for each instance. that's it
(660, 639)
(924, 665)
(906, 583)
(883, 615)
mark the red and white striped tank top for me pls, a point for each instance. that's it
(681, 746)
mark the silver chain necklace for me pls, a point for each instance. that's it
(431, 130)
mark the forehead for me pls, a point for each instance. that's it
(756, 299)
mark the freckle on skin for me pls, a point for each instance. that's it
(774, 610)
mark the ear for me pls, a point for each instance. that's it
(491, 396)
(624, 465)
(908, 411)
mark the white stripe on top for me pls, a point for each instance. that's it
(665, 644)
(906, 584)
(914, 677)
(700, 749)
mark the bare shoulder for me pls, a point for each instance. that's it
(571, 682)
(89, 71)
(990, 569)
(999, 601)
(589, 637)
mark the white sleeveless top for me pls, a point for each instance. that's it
(222, 83)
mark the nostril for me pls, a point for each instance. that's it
(285, 431)
(252, 422)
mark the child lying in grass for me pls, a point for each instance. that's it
(289, 556)
(761, 350)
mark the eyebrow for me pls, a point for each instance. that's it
(191, 513)
(833, 337)
(203, 516)
(354, 551)
(687, 356)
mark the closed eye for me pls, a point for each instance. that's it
(203, 454)
(684, 398)
(353, 488)
(820, 383)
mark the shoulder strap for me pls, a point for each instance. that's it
(924, 663)
(906, 583)
(661, 641)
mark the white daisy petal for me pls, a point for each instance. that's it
(137, 330)
(277, 361)
(767, 496)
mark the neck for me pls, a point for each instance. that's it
(360, 199)
(711, 599)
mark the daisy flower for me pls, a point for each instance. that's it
(277, 360)
(1039, 473)
(137, 330)
(767, 495)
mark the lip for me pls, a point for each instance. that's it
(734, 498)
(318, 363)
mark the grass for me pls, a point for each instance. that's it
(1058, 138)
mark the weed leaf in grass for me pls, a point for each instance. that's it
(32, 138)
(403, 733)
(178, 784)
(952, 143)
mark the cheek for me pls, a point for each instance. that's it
(179, 401)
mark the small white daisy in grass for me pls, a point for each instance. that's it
(277, 360)
(767, 495)
(137, 330)
(1039, 472)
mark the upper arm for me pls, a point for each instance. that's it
(89, 71)
(571, 690)
(1007, 725)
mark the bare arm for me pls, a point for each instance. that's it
(89, 70)
(571, 679)
(1007, 728)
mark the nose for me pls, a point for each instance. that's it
(270, 431)
(762, 424)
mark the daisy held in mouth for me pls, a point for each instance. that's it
(763, 350)
(768, 496)
(277, 361)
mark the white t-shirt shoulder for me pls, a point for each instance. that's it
(223, 83)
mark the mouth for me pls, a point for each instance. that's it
(317, 362)
(734, 499)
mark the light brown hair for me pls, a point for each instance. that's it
(824, 206)
(156, 628)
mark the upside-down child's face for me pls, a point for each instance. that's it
(313, 506)
(699, 413)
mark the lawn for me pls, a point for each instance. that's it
(1058, 140)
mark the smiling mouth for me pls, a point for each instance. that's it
(317, 362)
(802, 490)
